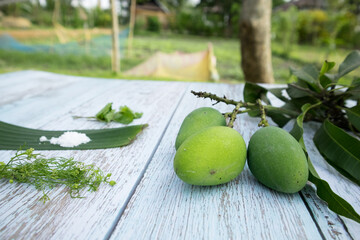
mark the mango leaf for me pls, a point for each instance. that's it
(323, 190)
(297, 130)
(340, 150)
(326, 67)
(354, 116)
(334, 201)
(354, 90)
(12, 137)
(299, 90)
(126, 115)
(104, 113)
(310, 75)
(278, 92)
(252, 92)
(351, 62)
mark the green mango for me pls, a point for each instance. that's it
(197, 120)
(212, 156)
(277, 160)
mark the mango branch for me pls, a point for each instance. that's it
(238, 104)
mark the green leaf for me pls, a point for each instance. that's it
(138, 115)
(326, 67)
(252, 92)
(12, 137)
(323, 190)
(278, 93)
(297, 130)
(310, 75)
(109, 116)
(354, 116)
(278, 117)
(351, 62)
(335, 202)
(124, 116)
(103, 112)
(340, 149)
(354, 90)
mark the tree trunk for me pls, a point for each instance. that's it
(255, 38)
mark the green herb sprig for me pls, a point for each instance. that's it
(47, 173)
(107, 114)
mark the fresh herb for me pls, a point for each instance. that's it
(46, 173)
(107, 114)
(318, 96)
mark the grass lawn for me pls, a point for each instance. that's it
(227, 52)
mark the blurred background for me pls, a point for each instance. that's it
(74, 36)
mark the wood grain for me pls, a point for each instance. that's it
(22, 216)
(149, 201)
(167, 208)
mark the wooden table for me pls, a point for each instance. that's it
(149, 201)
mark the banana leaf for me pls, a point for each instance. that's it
(14, 137)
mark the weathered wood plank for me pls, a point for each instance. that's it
(24, 84)
(339, 184)
(163, 207)
(330, 224)
(22, 216)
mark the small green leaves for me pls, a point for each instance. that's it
(46, 173)
(105, 114)
(125, 115)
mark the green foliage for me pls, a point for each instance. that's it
(125, 115)
(283, 28)
(331, 28)
(323, 96)
(47, 173)
(153, 24)
(102, 18)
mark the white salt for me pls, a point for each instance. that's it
(43, 139)
(70, 139)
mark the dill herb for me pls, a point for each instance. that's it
(46, 173)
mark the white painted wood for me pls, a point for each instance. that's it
(339, 184)
(163, 207)
(22, 216)
(24, 84)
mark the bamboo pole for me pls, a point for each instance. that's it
(131, 26)
(115, 60)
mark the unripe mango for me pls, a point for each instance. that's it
(212, 156)
(197, 120)
(277, 160)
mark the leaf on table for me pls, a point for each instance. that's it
(351, 62)
(323, 190)
(334, 201)
(12, 137)
(340, 149)
(103, 114)
(126, 115)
